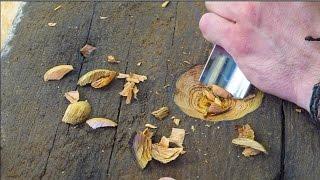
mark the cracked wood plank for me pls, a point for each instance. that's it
(151, 46)
(210, 154)
(79, 151)
(302, 145)
(31, 108)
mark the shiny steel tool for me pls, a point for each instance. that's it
(221, 70)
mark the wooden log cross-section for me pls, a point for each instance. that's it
(35, 144)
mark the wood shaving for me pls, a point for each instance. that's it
(151, 126)
(176, 121)
(58, 7)
(298, 110)
(249, 143)
(246, 139)
(100, 122)
(161, 113)
(57, 72)
(166, 178)
(142, 147)
(130, 90)
(77, 112)
(245, 131)
(103, 17)
(52, 24)
(165, 86)
(87, 50)
(177, 136)
(112, 59)
(165, 4)
(207, 125)
(97, 78)
(139, 63)
(72, 96)
(193, 128)
(187, 62)
(136, 78)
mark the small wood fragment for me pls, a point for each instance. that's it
(298, 110)
(249, 143)
(176, 121)
(161, 113)
(151, 126)
(103, 17)
(139, 63)
(51, 24)
(87, 50)
(77, 112)
(95, 123)
(72, 96)
(57, 72)
(187, 62)
(193, 128)
(165, 4)
(112, 59)
(58, 7)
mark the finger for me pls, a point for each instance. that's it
(216, 29)
(224, 9)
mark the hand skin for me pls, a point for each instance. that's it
(267, 41)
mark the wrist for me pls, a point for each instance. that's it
(303, 90)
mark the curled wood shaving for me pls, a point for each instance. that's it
(57, 72)
(52, 24)
(100, 122)
(165, 4)
(164, 154)
(87, 50)
(112, 59)
(150, 126)
(72, 96)
(97, 78)
(136, 78)
(142, 145)
(77, 112)
(161, 113)
(246, 139)
(177, 136)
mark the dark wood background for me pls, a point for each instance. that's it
(35, 144)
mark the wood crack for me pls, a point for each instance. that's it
(120, 102)
(283, 145)
(82, 62)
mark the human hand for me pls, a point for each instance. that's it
(267, 41)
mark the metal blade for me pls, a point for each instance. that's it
(221, 70)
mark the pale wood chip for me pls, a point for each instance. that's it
(58, 7)
(177, 136)
(103, 17)
(150, 126)
(193, 128)
(142, 147)
(187, 62)
(139, 63)
(72, 96)
(57, 72)
(176, 121)
(245, 142)
(51, 24)
(165, 4)
(161, 113)
(128, 91)
(298, 110)
(87, 50)
(112, 59)
(100, 122)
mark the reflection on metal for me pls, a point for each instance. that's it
(221, 70)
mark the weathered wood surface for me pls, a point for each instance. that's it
(36, 144)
